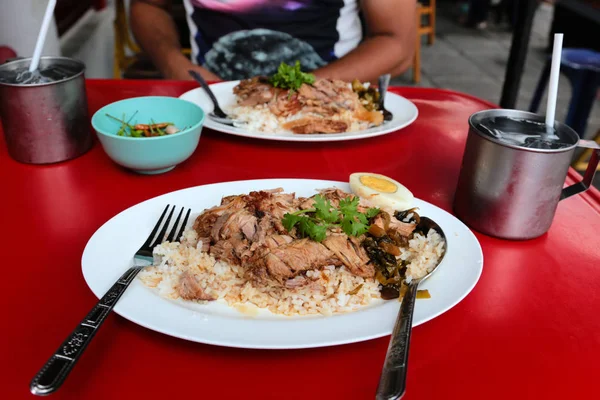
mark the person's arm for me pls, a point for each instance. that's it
(389, 45)
(156, 33)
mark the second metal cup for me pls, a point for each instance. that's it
(512, 192)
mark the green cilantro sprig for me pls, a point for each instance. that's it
(291, 77)
(314, 222)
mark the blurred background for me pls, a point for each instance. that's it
(451, 55)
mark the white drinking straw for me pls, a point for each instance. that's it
(554, 74)
(41, 39)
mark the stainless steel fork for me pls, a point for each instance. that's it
(56, 370)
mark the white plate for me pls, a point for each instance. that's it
(405, 112)
(110, 250)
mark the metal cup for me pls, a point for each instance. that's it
(46, 122)
(512, 192)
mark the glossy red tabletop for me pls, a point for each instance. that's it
(530, 329)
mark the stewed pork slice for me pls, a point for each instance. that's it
(242, 213)
(233, 250)
(271, 205)
(328, 97)
(247, 231)
(270, 241)
(223, 250)
(215, 232)
(309, 125)
(382, 221)
(264, 231)
(285, 103)
(319, 111)
(326, 87)
(288, 260)
(341, 96)
(271, 202)
(204, 222)
(309, 93)
(240, 221)
(296, 282)
(349, 251)
(334, 195)
(303, 281)
(189, 288)
(254, 91)
(340, 93)
(398, 231)
(237, 232)
(324, 98)
(274, 241)
(403, 228)
(230, 224)
(316, 102)
(232, 235)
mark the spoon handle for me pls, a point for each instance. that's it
(202, 82)
(392, 383)
(383, 83)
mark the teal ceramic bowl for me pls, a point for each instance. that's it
(152, 155)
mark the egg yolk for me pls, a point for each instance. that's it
(379, 184)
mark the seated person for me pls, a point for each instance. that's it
(237, 39)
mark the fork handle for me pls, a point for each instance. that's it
(217, 110)
(55, 371)
(383, 83)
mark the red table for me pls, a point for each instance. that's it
(530, 328)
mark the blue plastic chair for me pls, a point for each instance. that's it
(582, 68)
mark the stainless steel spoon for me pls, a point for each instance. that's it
(384, 82)
(392, 383)
(217, 114)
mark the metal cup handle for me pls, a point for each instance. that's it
(586, 182)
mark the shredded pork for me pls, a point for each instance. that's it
(246, 231)
(322, 104)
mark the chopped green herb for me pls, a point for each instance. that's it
(291, 77)
(324, 210)
(372, 212)
(290, 220)
(314, 222)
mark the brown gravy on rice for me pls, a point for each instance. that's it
(239, 253)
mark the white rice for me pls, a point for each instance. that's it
(422, 254)
(260, 119)
(328, 292)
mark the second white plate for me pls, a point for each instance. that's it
(404, 111)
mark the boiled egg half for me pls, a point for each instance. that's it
(381, 191)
